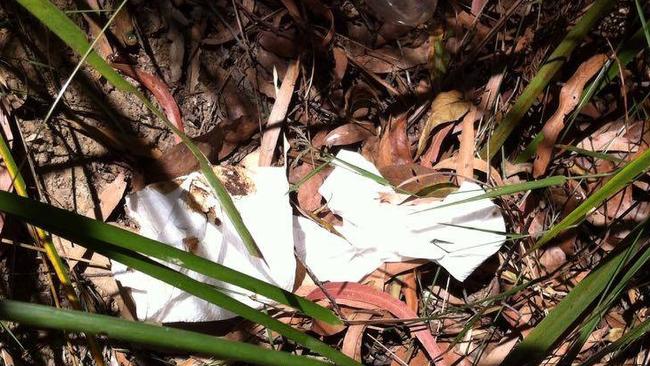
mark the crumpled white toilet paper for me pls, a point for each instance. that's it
(377, 232)
(187, 216)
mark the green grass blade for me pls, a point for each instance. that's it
(590, 153)
(547, 333)
(82, 230)
(644, 24)
(617, 182)
(556, 180)
(214, 296)
(622, 343)
(552, 65)
(618, 284)
(73, 36)
(148, 334)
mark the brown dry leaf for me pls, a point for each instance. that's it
(552, 258)
(340, 64)
(499, 353)
(465, 161)
(615, 136)
(433, 152)
(194, 64)
(569, 99)
(179, 160)
(160, 91)
(394, 147)
(446, 107)
(469, 21)
(477, 5)
(386, 60)
(278, 113)
(413, 177)
(479, 164)
(349, 133)
(308, 197)
(491, 91)
(109, 198)
(353, 339)
(366, 297)
(282, 44)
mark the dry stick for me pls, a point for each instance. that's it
(465, 162)
(278, 113)
(544, 76)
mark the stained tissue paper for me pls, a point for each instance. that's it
(184, 214)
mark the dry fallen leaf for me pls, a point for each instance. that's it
(499, 353)
(278, 113)
(433, 152)
(160, 91)
(394, 147)
(349, 133)
(308, 197)
(353, 340)
(465, 161)
(446, 107)
(368, 298)
(385, 60)
(569, 99)
(340, 64)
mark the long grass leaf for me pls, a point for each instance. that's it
(634, 334)
(617, 182)
(148, 334)
(73, 36)
(214, 296)
(557, 180)
(544, 76)
(83, 230)
(546, 334)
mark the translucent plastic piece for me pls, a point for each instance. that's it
(406, 12)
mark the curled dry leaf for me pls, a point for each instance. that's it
(308, 197)
(349, 133)
(569, 99)
(353, 339)
(369, 298)
(616, 136)
(179, 160)
(160, 91)
(409, 289)
(446, 107)
(278, 113)
(433, 152)
(394, 147)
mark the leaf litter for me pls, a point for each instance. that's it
(356, 81)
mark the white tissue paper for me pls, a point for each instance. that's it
(188, 217)
(377, 232)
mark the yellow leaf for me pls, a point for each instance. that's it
(446, 107)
